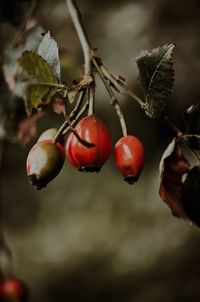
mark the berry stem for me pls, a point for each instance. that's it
(114, 102)
(91, 98)
(74, 116)
(117, 81)
(78, 105)
(82, 141)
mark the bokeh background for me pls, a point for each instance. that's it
(93, 237)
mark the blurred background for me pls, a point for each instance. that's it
(93, 237)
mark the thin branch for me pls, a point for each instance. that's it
(78, 105)
(74, 116)
(118, 82)
(91, 100)
(114, 101)
(84, 40)
(60, 131)
(78, 116)
(89, 59)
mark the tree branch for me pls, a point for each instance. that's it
(84, 40)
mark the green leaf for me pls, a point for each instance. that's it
(42, 80)
(48, 50)
(156, 76)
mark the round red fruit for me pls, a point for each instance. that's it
(69, 153)
(44, 162)
(89, 159)
(129, 157)
(13, 290)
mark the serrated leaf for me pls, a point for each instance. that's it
(38, 96)
(36, 67)
(48, 50)
(176, 188)
(40, 90)
(192, 119)
(156, 76)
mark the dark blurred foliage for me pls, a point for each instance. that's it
(13, 11)
(95, 238)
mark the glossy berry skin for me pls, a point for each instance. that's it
(129, 157)
(89, 159)
(49, 134)
(44, 162)
(13, 290)
(69, 152)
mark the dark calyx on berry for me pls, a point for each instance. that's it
(130, 179)
(36, 182)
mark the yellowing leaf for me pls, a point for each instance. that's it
(42, 80)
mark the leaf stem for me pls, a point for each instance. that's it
(56, 85)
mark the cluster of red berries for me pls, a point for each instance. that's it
(13, 290)
(46, 158)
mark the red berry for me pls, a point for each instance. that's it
(69, 153)
(89, 159)
(44, 162)
(129, 157)
(13, 290)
